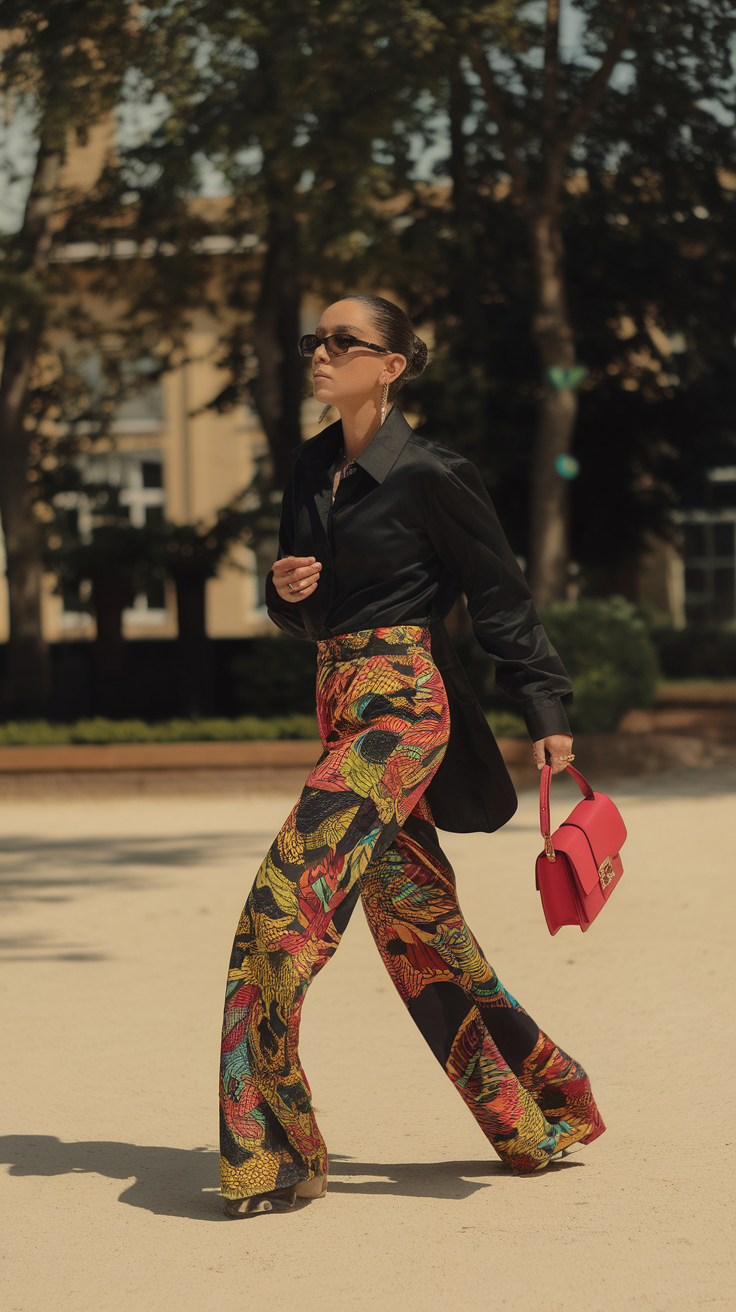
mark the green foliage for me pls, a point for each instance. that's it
(506, 725)
(650, 256)
(609, 656)
(248, 728)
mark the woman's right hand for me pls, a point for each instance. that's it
(296, 577)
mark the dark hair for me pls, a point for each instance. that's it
(396, 329)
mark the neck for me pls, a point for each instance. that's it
(360, 423)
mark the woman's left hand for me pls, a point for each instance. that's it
(559, 746)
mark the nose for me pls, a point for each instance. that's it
(321, 355)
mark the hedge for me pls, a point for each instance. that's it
(248, 728)
(606, 649)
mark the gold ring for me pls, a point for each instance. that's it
(567, 759)
(290, 586)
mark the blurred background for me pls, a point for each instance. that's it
(549, 189)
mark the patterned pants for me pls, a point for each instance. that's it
(363, 828)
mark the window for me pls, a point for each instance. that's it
(138, 482)
(709, 554)
(142, 411)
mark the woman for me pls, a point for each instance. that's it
(380, 533)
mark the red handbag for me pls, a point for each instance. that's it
(581, 862)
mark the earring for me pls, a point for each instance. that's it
(384, 399)
(324, 412)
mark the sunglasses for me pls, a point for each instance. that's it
(336, 344)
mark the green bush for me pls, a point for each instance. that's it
(506, 725)
(609, 655)
(37, 733)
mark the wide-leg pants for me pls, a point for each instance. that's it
(363, 828)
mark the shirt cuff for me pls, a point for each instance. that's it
(273, 600)
(545, 718)
(286, 615)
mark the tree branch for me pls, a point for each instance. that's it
(494, 99)
(551, 67)
(595, 88)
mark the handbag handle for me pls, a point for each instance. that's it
(544, 816)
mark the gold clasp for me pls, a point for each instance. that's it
(606, 872)
(549, 851)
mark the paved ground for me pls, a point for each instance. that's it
(118, 921)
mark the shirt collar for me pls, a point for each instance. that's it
(380, 455)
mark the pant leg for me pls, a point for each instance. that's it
(528, 1097)
(385, 725)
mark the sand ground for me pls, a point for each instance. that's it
(119, 915)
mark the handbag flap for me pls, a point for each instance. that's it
(571, 842)
(599, 824)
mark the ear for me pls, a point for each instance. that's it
(393, 368)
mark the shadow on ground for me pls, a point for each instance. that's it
(48, 870)
(183, 1182)
(37, 871)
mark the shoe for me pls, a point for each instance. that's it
(314, 1188)
(276, 1200)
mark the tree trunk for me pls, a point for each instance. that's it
(27, 685)
(28, 678)
(465, 275)
(111, 596)
(551, 329)
(277, 390)
(194, 651)
(556, 414)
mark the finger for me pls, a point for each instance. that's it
(297, 576)
(289, 589)
(289, 563)
(298, 594)
(308, 581)
(304, 572)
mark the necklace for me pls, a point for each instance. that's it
(348, 469)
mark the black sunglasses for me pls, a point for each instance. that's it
(336, 344)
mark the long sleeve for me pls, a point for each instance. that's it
(468, 538)
(285, 614)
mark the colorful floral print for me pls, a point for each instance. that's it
(362, 827)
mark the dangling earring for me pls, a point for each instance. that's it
(324, 412)
(384, 399)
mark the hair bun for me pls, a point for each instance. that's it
(418, 362)
(397, 334)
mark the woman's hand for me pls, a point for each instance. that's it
(296, 577)
(559, 746)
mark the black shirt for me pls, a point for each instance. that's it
(408, 532)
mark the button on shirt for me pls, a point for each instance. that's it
(408, 532)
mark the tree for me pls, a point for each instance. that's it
(63, 61)
(288, 102)
(537, 184)
(619, 186)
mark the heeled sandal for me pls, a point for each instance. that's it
(276, 1200)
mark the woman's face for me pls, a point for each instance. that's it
(359, 375)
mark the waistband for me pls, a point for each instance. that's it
(393, 641)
